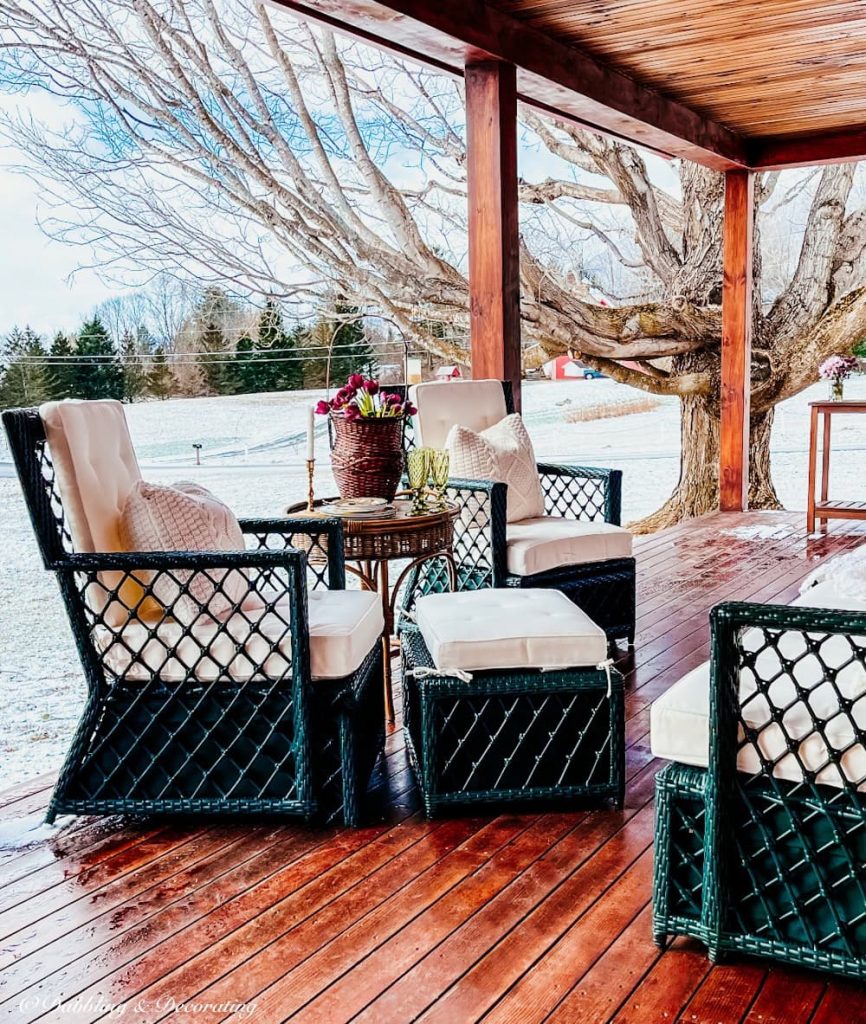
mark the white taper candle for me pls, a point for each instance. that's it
(311, 435)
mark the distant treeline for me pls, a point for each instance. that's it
(223, 347)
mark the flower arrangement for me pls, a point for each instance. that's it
(837, 369)
(360, 398)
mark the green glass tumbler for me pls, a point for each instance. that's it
(418, 472)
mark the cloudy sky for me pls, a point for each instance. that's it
(36, 283)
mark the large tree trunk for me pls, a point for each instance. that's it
(698, 489)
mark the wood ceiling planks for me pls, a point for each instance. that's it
(760, 67)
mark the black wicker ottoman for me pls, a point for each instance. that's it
(511, 734)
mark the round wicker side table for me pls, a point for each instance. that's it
(369, 545)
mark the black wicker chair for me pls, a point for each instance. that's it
(220, 719)
(605, 590)
(764, 851)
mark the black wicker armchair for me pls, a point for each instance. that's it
(487, 547)
(764, 851)
(194, 711)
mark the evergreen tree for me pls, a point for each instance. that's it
(351, 350)
(160, 379)
(99, 372)
(245, 368)
(23, 377)
(212, 318)
(280, 367)
(61, 376)
(134, 372)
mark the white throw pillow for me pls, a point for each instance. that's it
(502, 453)
(186, 517)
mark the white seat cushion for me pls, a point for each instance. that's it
(345, 625)
(549, 542)
(474, 404)
(679, 719)
(505, 629)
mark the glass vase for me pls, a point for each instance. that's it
(837, 389)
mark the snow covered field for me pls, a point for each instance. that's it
(252, 457)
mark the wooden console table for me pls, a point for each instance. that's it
(824, 509)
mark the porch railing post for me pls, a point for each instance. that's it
(736, 341)
(494, 247)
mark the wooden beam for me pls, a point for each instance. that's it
(552, 75)
(494, 241)
(834, 148)
(736, 341)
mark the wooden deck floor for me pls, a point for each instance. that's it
(513, 918)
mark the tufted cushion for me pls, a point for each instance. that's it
(504, 629)
(679, 719)
(549, 542)
(475, 404)
(95, 466)
(344, 626)
(503, 453)
(185, 517)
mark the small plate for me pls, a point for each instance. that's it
(359, 504)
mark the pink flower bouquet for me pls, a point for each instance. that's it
(837, 368)
(360, 398)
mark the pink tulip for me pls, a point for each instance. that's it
(371, 387)
(323, 408)
(355, 381)
(352, 412)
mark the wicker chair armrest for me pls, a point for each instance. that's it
(582, 492)
(730, 624)
(479, 531)
(156, 561)
(103, 591)
(325, 536)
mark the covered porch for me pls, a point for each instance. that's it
(496, 917)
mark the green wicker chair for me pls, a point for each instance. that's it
(764, 851)
(221, 719)
(605, 589)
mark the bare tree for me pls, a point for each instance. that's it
(233, 145)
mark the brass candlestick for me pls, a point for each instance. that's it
(311, 498)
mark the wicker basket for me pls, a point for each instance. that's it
(367, 456)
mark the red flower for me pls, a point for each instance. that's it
(352, 412)
(371, 386)
(355, 382)
(323, 408)
(410, 409)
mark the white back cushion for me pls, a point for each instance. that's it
(95, 466)
(476, 404)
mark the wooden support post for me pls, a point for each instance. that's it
(736, 341)
(494, 246)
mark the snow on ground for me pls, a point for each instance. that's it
(253, 458)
